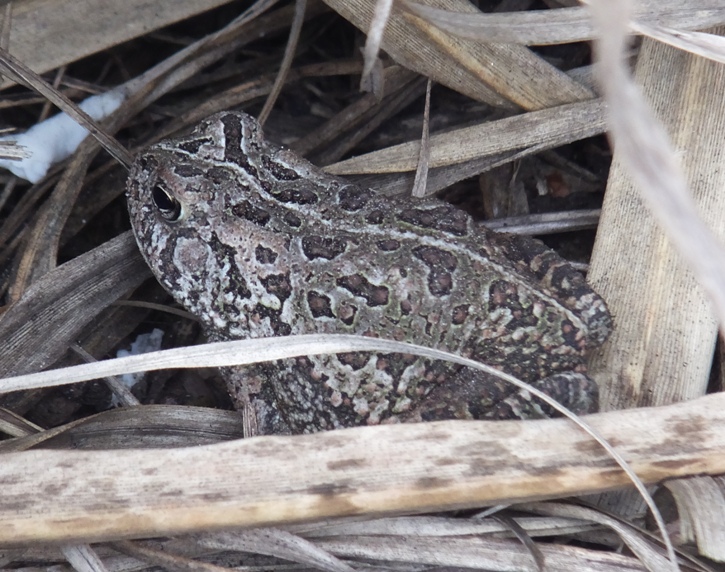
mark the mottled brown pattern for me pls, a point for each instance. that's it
(258, 242)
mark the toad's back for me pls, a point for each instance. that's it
(258, 242)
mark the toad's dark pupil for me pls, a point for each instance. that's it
(168, 206)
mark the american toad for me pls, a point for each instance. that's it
(257, 242)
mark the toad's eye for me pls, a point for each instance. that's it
(167, 204)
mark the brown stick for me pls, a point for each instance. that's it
(89, 496)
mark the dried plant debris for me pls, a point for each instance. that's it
(513, 124)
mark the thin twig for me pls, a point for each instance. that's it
(289, 54)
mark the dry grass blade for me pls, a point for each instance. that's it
(5, 29)
(375, 37)
(546, 223)
(16, 426)
(495, 73)
(436, 526)
(147, 427)
(639, 544)
(478, 553)
(558, 26)
(442, 177)
(38, 438)
(421, 172)
(275, 542)
(670, 324)
(289, 54)
(83, 558)
(578, 120)
(47, 34)
(166, 559)
(244, 352)
(529, 28)
(64, 301)
(706, 45)
(700, 506)
(42, 239)
(525, 539)
(646, 151)
(115, 384)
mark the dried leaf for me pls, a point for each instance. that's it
(701, 505)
